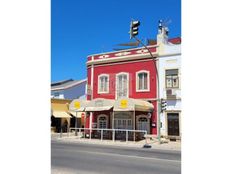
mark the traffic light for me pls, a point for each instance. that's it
(134, 27)
(163, 104)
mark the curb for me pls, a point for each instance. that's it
(165, 146)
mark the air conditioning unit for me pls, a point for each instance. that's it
(171, 94)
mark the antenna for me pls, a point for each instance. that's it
(166, 22)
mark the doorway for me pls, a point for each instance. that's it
(173, 124)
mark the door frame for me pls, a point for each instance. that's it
(148, 121)
(166, 120)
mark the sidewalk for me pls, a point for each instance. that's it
(171, 145)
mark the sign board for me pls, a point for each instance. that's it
(77, 105)
(123, 103)
(98, 103)
(89, 90)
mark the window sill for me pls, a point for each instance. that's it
(103, 92)
(145, 90)
(172, 88)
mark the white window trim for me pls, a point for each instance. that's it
(165, 82)
(116, 79)
(107, 88)
(98, 122)
(148, 81)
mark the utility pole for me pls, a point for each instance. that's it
(133, 32)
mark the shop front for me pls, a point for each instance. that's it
(120, 118)
(60, 117)
(77, 110)
(99, 117)
(132, 114)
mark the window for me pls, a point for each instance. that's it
(172, 79)
(123, 124)
(142, 81)
(56, 95)
(102, 122)
(103, 83)
(122, 85)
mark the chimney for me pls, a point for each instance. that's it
(162, 36)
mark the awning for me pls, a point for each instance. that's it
(130, 104)
(78, 105)
(60, 114)
(99, 104)
(77, 114)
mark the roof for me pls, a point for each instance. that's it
(176, 40)
(132, 53)
(65, 84)
(61, 82)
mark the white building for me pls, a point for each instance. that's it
(69, 89)
(169, 67)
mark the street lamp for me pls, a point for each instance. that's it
(134, 27)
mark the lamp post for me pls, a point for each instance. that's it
(158, 93)
(133, 32)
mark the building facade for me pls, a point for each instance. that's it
(62, 94)
(124, 76)
(169, 65)
(131, 74)
(69, 89)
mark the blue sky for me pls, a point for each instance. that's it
(83, 27)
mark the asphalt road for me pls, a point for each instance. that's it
(79, 158)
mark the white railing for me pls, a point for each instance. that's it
(110, 134)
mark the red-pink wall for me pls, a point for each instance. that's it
(130, 68)
(89, 80)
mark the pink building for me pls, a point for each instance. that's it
(126, 79)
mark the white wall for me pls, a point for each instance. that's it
(169, 59)
(61, 94)
(74, 92)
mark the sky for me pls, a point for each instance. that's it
(84, 27)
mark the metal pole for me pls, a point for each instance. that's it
(60, 128)
(113, 127)
(155, 60)
(126, 135)
(76, 125)
(134, 126)
(84, 126)
(101, 134)
(90, 124)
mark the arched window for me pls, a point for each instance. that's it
(142, 81)
(143, 123)
(102, 121)
(103, 83)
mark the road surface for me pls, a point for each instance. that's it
(79, 158)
